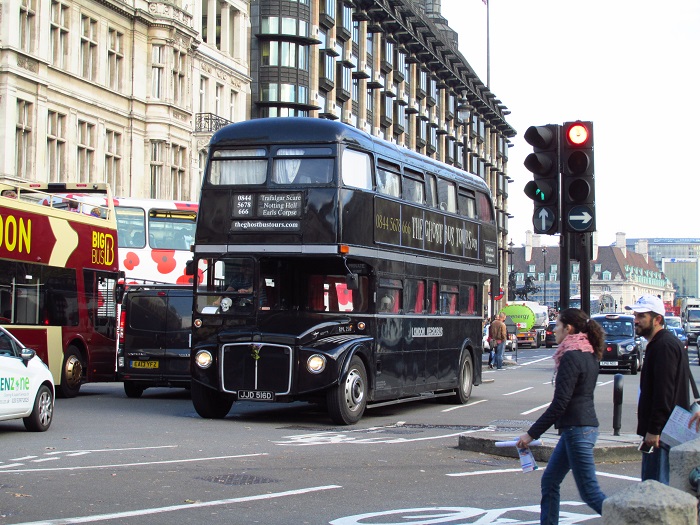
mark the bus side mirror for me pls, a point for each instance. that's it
(352, 281)
(189, 267)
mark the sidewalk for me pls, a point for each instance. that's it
(608, 448)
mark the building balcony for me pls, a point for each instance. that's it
(208, 122)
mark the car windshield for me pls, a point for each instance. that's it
(617, 327)
(673, 322)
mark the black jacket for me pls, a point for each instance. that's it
(665, 382)
(572, 405)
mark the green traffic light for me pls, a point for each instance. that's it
(538, 191)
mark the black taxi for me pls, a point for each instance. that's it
(624, 350)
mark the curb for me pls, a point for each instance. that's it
(608, 449)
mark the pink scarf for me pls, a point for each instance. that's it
(577, 341)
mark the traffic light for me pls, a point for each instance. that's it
(578, 181)
(544, 188)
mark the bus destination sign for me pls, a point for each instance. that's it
(265, 211)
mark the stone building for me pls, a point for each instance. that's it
(130, 91)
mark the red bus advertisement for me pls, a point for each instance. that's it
(59, 268)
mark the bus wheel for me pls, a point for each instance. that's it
(71, 373)
(464, 391)
(209, 403)
(132, 389)
(347, 401)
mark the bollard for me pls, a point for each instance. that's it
(617, 403)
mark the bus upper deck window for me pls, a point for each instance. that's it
(300, 170)
(356, 169)
(238, 167)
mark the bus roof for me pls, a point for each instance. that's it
(302, 130)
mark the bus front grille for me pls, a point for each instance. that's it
(257, 366)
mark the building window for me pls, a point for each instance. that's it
(88, 47)
(203, 88)
(157, 66)
(177, 170)
(597, 268)
(218, 93)
(232, 106)
(59, 33)
(113, 160)
(27, 21)
(607, 275)
(531, 268)
(156, 168)
(23, 154)
(86, 151)
(55, 146)
(115, 58)
(179, 78)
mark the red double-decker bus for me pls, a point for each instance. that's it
(58, 273)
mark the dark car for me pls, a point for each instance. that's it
(680, 334)
(549, 339)
(624, 350)
(154, 338)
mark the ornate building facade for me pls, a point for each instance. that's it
(130, 92)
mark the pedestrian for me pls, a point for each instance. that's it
(572, 411)
(498, 334)
(10, 194)
(664, 383)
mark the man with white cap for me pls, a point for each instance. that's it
(664, 383)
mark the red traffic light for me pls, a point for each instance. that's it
(577, 134)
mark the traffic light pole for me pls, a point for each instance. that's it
(565, 272)
(584, 259)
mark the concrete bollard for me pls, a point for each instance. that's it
(652, 503)
(682, 459)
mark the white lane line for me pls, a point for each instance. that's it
(11, 465)
(535, 361)
(103, 450)
(482, 472)
(118, 465)
(41, 460)
(534, 409)
(518, 391)
(617, 476)
(173, 508)
(606, 383)
(73, 454)
(25, 458)
(465, 406)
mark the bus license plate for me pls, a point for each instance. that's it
(256, 395)
(144, 364)
(608, 363)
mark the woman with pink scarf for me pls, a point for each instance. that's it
(572, 411)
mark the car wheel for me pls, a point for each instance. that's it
(348, 399)
(71, 373)
(634, 367)
(210, 403)
(132, 389)
(42, 413)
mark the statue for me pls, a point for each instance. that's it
(511, 286)
(529, 287)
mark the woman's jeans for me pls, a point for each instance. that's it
(573, 452)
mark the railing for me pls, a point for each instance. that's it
(208, 122)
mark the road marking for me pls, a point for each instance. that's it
(118, 465)
(465, 406)
(536, 361)
(534, 409)
(41, 460)
(25, 458)
(101, 450)
(11, 465)
(482, 472)
(606, 383)
(617, 476)
(518, 391)
(173, 508)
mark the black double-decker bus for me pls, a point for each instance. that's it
(339, 267)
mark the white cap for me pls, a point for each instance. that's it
(648, 303)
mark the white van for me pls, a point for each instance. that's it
(26, 385)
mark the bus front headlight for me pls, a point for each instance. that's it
(203, 358)
(316, 364)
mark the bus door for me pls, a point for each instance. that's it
(393, 361)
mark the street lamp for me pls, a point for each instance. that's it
(544, 289)
(511, 293)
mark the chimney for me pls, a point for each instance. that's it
(621, 242)
(642, 248)
(528, 245)
(594, 241)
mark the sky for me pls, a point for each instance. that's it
(630, 67)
